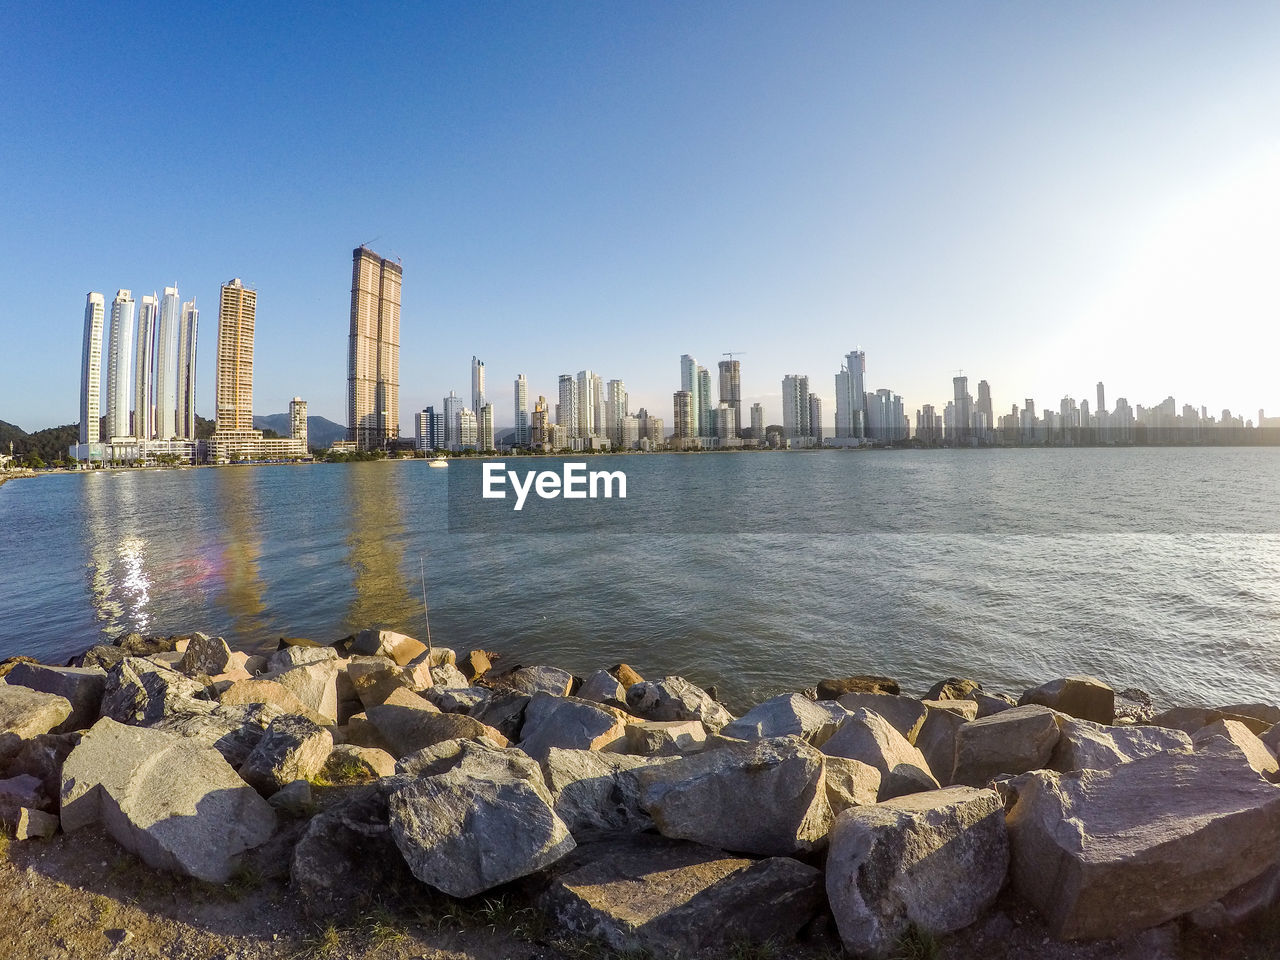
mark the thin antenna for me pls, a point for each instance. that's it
(422, 569)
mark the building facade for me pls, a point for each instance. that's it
(144, 370)
(851, 409)
(478, 398)
(522, 411)
(187, 331)
(795, 407)
(119, 354)
(373, 351)
(167, 365)
(91, 370)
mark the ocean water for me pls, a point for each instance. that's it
(1150, 567)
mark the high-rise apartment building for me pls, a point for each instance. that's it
(963, 415)
(984, 412)
(567, 405)
(298, 429)
(757, 422)
(706, 417)
(685, 418)
(815, 417)
(539, 427)
(478, 398)
(144, 369)
(466, 430)
(795, 407)
(119, 352)
(690, 384)
(91, 369)
(522, 411)
(233, 380)
(167, 365)
(187, 330)
(373, 353)
(429, 430)
(453, 406)
(731, 392)
(589, 400)
(851, 397)
(484, 429)
(1102, 399)
(615, 409)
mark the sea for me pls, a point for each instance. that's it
(1156, 568)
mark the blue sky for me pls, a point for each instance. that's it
(1043, 195)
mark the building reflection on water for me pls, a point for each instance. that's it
(241, 589)
(376, 543)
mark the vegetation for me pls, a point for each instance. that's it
(917, 944)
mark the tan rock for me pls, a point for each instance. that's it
(1256, 752)
(868, 737)
(1010, 742)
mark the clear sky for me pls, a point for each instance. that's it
(1045, 195)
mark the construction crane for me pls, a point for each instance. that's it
(734, 353)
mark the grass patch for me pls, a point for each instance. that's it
(343, 771)
(916, 944)
(748, 950)
(4, 845)
(245, 879)
(325, 943)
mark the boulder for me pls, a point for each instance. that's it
(1246, 902)
(531, 680)
(175, 804)
(294, 799)
(596, 794)
(136, 645)
(1083, 745)
(81, 686)
(31, 824)
(293, 748)
(868, 737)
(8, 663)
(387, 643)
(21, 791)
(447, 675)
(349, 763)
(504, 711)
(601, 687)
(359, 732)
(1191, 719)
(103, 656)
(850, 783)
(675, 698)
(953, 688)
(42, 757)
(1085, 698)
(258, 690)
(663, 738)
(233, 729)
(932, 862)
(468, 700)
(766, 797)
(139, 691)
(24, 712)
(906, 714)
(1109, 852)
(289, 657)
(1267, 713)
(375, 678)
(205, 656)
(989, 703)
(315, 685)
(837, 687)
(483, 822)
(475, 665)
(1010, 742)
(408, 726)
(670, 899)
(625, 675)
(1255, 751)
(937, 736)
(567, 723)
(787, 715)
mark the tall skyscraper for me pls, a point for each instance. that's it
(429, 432)
(685, 423)
(91, 369)
(144, 370)
(297, 420)
(615, 409)
(567, 405)
(187, 371)
(984, 408)
(757, 422)
(731, 391)
(963, 415)
(588, 400)
(233, 380)
(795, 407)
(477, 385)
(522, 411)
(373, 353)
(539, 428)
(465, 430)
(851, 396)
(484, 428)
(453, 405)
(706, 418)
(1102, 399)
(689, 383)
(167, 365)
(815, 417)
(119, 353)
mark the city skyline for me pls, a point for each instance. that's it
(939, 187)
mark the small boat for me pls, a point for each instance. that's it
(438, 462)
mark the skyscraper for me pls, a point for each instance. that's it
(815, 417)
(588, 400)
(690, 384)
(984, 408)
(1102, 399)
(119, 353)
(567, 405)
(477, 385)
(757, 422)
(373, 353)
(187, 371)
(540, 426)
(91, 369)
(706, 418)
(685, 424)
(522, 411)
(453, 405)
(851, 397)
(144, 424)
(233, 381)
(298, 420)
(484, 428)
(731, 391)
(167, 365)
(615, 409)
(795, 406)
(963, 415)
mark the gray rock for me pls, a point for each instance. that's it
(407, 727)
(290, 657)
(30, 824)
(1083, 745)
(1256, 752)
(1266, 713)
(1106, 853)
(175, 804)
(293, 748)
(205, 656)
(387, 643)
(1011, 742)
(596, 794)
(468, 700)
(931, 861)
(261, 691)
(788, 715)
(674, 899)
(568, 723)
(766, 797)
(103, 656)
(81, 686)
(232, 729)
(1246, 902)
(664, 738)
(531, 680)
(1191, 719)
(293, 799)
(481, 823)
(139, 691)
(675, 698)
(601, 687)
(447, 675)
(42, 757)
(850, 783)
(504, 711)
(23, 790)
(989, 703)
(314, 684)
(1085, 698)
(868, 737)
(905, 714)
(25, 713)
(136, 645)
(937, 736)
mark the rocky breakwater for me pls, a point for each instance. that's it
(643, 813)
